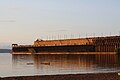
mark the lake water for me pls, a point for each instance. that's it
(24, 65)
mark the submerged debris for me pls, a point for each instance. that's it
(45, 63)
(30, 63)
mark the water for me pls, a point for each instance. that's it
(24, 65)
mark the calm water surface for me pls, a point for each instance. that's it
(23, 65)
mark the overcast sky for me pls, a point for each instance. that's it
(23, 21)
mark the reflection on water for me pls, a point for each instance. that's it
(65, 64)
(12, 65)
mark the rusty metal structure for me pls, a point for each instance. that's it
(93, 44)
(107, 44)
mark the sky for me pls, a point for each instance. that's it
(23, 21)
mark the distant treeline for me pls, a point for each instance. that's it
(5, 50)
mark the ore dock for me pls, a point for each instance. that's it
(92, 44)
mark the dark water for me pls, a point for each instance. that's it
(23, 65)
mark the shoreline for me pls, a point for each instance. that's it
(89, 76)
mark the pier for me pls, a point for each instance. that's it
(93, 44)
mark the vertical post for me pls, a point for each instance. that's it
(110, 33)
(119, 33)
(79, 35)
(93, 34)
(58, 36)
(47, 37)
(52, 37)
(101, 34)
(71, 36)
(55, 37)
(86, 35)
(41, 37)
(64, 36)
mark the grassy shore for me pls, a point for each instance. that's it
(94, 76)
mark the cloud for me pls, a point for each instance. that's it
(7, 21)
(61, 30)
